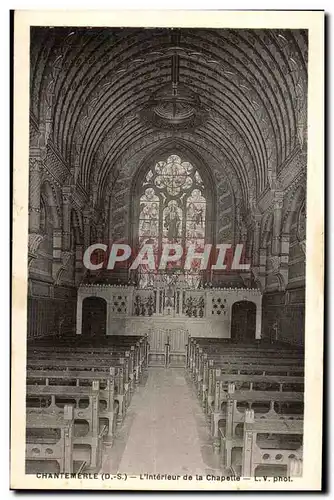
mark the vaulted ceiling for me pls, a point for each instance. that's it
(91, 88)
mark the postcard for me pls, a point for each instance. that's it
(168, 250)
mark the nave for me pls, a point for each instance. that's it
(164, 431)
(95, 404)
(140, 139)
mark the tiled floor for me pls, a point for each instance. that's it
(164, 430)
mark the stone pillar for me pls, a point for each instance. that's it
(99, 232)
(57, 244)
(86, 219)
(249, 247)
(284, 257)
(66, 194)
(256, 247)
(285, 244)
(34, 194)
(78, 263)
(278, 205)
(79, 315)
(47, 128)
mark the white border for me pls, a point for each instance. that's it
(314, 270)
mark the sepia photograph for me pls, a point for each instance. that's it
(168, 251)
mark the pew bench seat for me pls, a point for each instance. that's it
(59, 450)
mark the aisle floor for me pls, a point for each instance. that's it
(164, 431)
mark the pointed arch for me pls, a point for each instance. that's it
(188, 155)
(296, 203)
(173, 201)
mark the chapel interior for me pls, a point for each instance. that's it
(156, 136)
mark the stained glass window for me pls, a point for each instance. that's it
(172, 206)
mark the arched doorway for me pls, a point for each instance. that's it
(94, 316)
(243, 323)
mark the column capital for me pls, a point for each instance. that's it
(278, 199)
(34, 192)
(35, 163)
(278, 204)
(87, 217)
(67, 194)
(37, 152)
(257, 221)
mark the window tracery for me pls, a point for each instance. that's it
(172, 209)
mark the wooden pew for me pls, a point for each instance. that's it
(193, 341)
(99, 354)
(77, 340)
(137, 351)
(226, 410)
(102, 372)
(262, 373)
(222, 344)
(225, 345)
(62, 388)
(247, 356)
(205, 384)
(62, 450)
(226, 349)
(254, 456)
(122, 385)
(106, 382)
(95, 360)
(138, 344)
(241, 352)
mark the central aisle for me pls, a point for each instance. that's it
(164, 430)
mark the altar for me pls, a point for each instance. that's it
(216, 312)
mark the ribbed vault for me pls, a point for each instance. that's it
(89, 87)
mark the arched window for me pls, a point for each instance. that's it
(172, 207)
